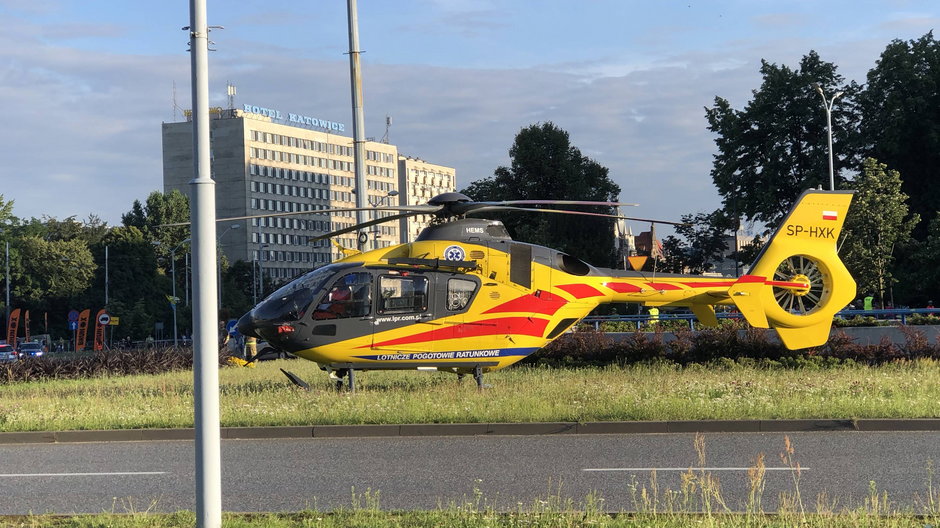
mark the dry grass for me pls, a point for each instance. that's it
(263, 397)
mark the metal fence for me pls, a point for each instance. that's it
(898, 315)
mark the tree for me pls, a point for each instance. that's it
(168, 242)
(703, 242)
(237, 281)
(901, 119)
(776, 148)
(877, 222)
(924, 283)
(49, 269)
(544, 165)
(161, 209)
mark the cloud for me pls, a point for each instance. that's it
(87, 139)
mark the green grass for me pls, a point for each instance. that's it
(262, 396)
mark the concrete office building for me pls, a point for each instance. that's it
(418, 182)
(268, 162)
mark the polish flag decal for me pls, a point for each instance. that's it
(830, 215)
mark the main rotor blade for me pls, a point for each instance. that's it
(413, 209)
(581, 213)
(357, 227)
(558, 202)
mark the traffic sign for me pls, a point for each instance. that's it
(73, 325)
(73, 316)
(104, 319)
(115, 321)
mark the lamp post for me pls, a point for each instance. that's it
(376, 201)
(8, 283)
(261, 270)
(173, 276)
(219, 261)
(106, 276)
(827, 104)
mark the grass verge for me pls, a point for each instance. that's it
(263, 397)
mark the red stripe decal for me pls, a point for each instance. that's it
(751, 278)
(663, 286)
(543, 303)
(581, 291)
(504, 326)
(623, 287)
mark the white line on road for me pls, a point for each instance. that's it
(696, 469)
(113, 474)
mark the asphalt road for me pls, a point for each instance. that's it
(426, 472)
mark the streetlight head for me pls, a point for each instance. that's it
(393, 193)
(838, 94)
(818, 88)
(234, 226)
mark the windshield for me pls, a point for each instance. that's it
(291, 301)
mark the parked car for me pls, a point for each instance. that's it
(8, 353)
(267, 352)
(31, 349)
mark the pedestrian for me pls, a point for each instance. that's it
(251, 345)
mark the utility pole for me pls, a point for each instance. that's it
(827, 105)
(7, 320)
(205, 312)
(106, 276)
(355, 74)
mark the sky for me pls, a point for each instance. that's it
(86, 84)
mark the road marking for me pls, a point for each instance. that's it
(696, 469)
(112, 474)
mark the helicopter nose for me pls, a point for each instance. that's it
(247, 325)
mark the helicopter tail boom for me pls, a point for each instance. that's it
(798, 283)
(796, 286)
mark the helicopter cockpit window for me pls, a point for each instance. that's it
(349, 296)
(291, 302)
(402, 294)
(459, 293)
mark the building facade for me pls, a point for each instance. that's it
(419, 181)
(281, 169)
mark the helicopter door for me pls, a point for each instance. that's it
(402, 310)
(346, 309)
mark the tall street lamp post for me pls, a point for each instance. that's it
(173, 277)
(827, 104)
(219, 261)
(261, 271)
(106, 276)
(8, 283)
(376, 201)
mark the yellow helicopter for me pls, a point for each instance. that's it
(466, 298)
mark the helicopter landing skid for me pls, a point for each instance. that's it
(338, 371)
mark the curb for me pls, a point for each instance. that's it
(483, 429)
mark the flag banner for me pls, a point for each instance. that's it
(12, 323)
(26, 325)
(82, 329)
(99, 331)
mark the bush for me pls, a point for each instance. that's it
(123, 362)
(726, 346)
